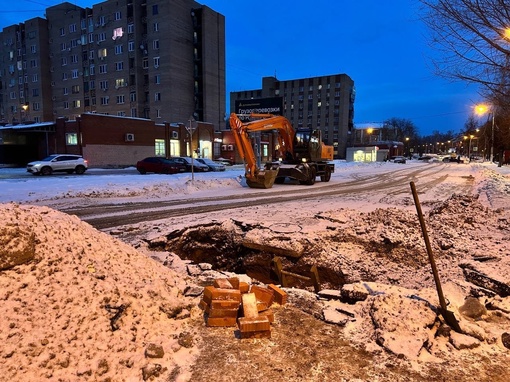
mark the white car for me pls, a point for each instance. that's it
(58, 163)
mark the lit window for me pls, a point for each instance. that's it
(117, 33)
(71, 139)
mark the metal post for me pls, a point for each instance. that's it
(191, 148)
(492, 142)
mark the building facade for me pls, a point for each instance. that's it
(326, 103)
(162, 60)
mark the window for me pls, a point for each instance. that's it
(75, 89)
(102, 68)
(62, 31)
(76, 103)
(103, 85)
(101, 20)
(131, 28)
(105, 100)
(72, 28)
(117, 33)
(101, 37)
(92, 70)
(74, 58)
(102, 53)
(132, 97)
(63, 61)
(118, 49)
(75, 73)
(91, 55)
(120, 82)
(121, 99)
(155, 27)
(71, 139)
(33, 49)
(36, 106)
(33, 63)
(159, 146)
(13, 95)
(121, 113)
(66, 91)
(155, 44)
(157, 79)
(157, 96)
(145, 63)
(131, 46)
(158, 113)
(91, 37)
(156, 62)
(35, 77)
(92, 85)
(134, 113)
(35, 92)
(155, 9)
(119, 66)
(117, 15)
(66, 105)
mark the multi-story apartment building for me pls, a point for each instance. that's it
(152, 59)
(325, 102)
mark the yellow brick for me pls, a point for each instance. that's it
(250, 305)
(223, 283)
(257, 324)
(280, 296)
(221, 321)
(263, 294)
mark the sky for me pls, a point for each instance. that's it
(382, 45)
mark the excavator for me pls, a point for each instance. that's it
(301, 153)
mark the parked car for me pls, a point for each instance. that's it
(213, 165)
(58, 163)
(226, 162)
(398, 159)
(197, 166)
(159, 165)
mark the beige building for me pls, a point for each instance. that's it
(325, 102)
(153, 59)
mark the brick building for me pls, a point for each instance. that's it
(151, 59)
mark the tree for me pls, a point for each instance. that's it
(398, 129)
(474, 36)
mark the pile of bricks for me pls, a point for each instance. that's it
(230, 302)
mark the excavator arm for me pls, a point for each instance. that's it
(256, 177)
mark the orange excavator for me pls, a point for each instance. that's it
(301, 153)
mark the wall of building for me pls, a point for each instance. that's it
(120, 57)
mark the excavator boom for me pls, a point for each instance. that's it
(303, 162)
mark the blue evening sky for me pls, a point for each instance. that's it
(381, 45)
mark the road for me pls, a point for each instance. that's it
(392, 184)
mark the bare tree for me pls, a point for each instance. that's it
(474, 36)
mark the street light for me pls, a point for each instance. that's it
(369, 132)
(482, 109)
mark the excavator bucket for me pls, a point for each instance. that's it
(263, 179)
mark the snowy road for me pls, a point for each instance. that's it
(393, 184)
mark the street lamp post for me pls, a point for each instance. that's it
(481, 110)
(190, 131)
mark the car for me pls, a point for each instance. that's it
(213, 165)
(398, 159)
(159, 165)
(197, 166)
(226, 162)
(58, 163)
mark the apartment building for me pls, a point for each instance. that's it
(325, 102)
(162, 60)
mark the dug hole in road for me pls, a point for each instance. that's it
(124, 299)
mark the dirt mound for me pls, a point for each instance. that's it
(85, 306)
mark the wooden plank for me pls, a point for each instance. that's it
(249, 305)
(211, 293)
(223, 312)
(263, 294)
(221, 321)
(260, 323)
(223, 284)
(269, 314)
(280, 296)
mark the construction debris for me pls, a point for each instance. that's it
(230, 303)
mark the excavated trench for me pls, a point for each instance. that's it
(233, 247)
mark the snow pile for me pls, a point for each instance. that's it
(78, 304)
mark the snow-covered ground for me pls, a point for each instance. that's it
(63, 283)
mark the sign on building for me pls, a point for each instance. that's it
(272, 105)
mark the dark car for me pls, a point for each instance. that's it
(213, 165)
(159, 165)
(197, 166)
(398, 159)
